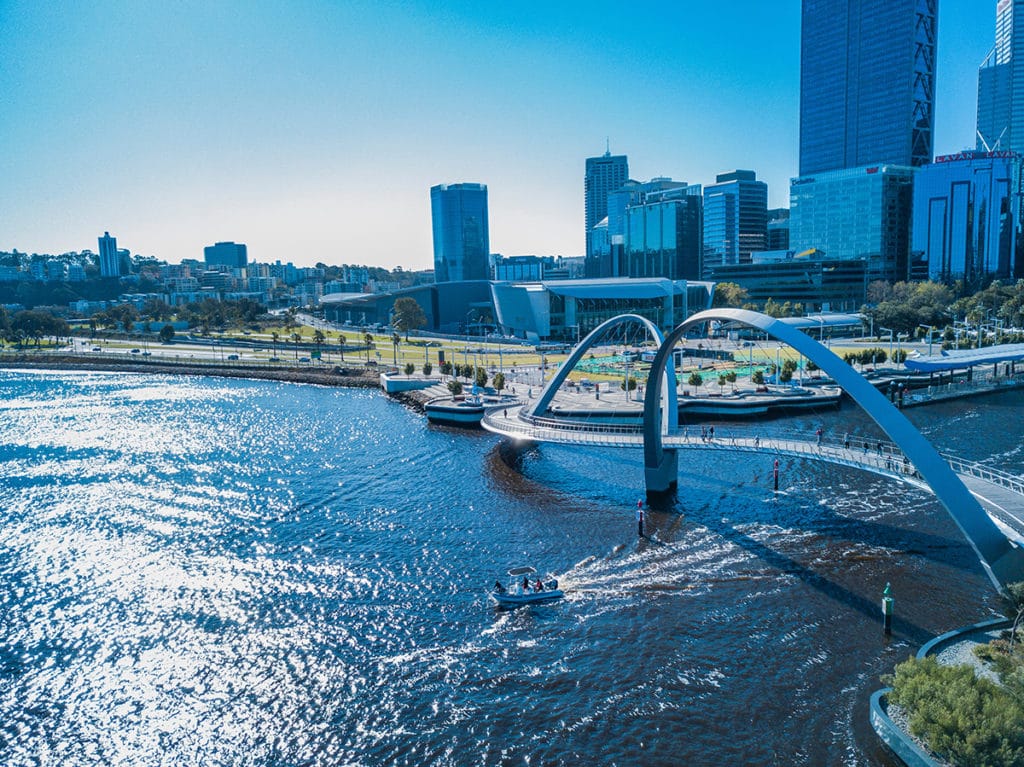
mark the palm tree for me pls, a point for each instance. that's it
(395, 341)
(275, 337)
(368, 340)
(296, 338)
(318, 338)
(341, 345)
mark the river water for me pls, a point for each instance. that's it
(223, 572)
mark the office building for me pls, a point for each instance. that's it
(1001, 83)
(110, 261)
(663, 235)
(858, 213)
(815, 282)
(603, 176)
(966, 217)
(230, 254)
(867, 83)
(735, 218)
(461, 237)
(778, 229)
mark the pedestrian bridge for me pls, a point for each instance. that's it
(960, 487)
(1000, 493)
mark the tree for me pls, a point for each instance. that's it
(318, 338)
(695, 380)
(499, 382)
(395, 341)
(446, 368)
(629, 383)
(722, 381)
(368, 340)
(408, 315)
(409, 368)
(341, 345)
(729, 294)
(274, 338)
(455, 387)
(427, 368)
(295, 339)
(166, 334)
(731, 378)
(481, 377)
(757, 377)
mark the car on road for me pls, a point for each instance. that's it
(97, 349)
(275, 359)
(232, 356)
(136, 351)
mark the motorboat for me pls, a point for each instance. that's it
(525, 588)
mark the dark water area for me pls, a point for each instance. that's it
(223, 572)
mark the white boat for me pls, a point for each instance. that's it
(523, 589)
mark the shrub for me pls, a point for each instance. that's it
(967, 720)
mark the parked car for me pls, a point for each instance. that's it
(96, 349)
(232, 356)
(136, 351)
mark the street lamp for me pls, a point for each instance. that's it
(931, 329)
(900, 337)
(889, 331)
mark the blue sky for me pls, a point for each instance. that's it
(312, 131)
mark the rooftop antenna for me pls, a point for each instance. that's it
(607, 147)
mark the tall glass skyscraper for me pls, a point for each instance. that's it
(867, 83)
(735, 218)
(1001, 83)
(110, 261)
(461, 239)
(604, 175)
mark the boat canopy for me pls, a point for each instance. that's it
(521, 571)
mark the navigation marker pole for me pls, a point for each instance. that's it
(887, 608)
(775, 474)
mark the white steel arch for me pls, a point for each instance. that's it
(1003, 562)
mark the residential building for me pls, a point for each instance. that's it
(110, 261)
(867, 83)
(603, 175)
(858, 213)
(231, 254)
(1001, 83)
(461, 236)
(735, 218)
(967, 217)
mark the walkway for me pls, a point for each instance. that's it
(1001, 494)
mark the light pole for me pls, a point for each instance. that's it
(931, 329)
(900, 337)
(889, 331)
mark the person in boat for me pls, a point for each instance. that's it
(538, 586)
(498, 588)
(526, 584)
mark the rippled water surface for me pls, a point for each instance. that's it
(220, 572)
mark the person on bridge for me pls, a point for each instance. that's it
(640, 518)
(818, 435)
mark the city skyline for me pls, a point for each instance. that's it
(314, 133)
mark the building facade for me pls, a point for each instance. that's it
(231, 254)
(867, 83)
(859, 213)
(663, 236)
(462, 243)
(735, 218)
(966, 217)
(778, 229)
(1001, 83)
(603, 175)
(110, 261)
(819, 284)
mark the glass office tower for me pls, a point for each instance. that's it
(1001, 83)
(735, 218)
(855, 213)
(663, 235)
(604, 175)
(461, 238)
(965, 216)
(867, 82)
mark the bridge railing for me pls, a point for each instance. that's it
(995, 476)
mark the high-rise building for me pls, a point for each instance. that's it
(857, 213)
(778, 229)
(663, 235)
(232, 254)
(966, 216)
(110, 261)
(604, 175)
(867, 83)
(735, 218)
(1001, 83)
(461, 239)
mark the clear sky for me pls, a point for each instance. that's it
(313, 131)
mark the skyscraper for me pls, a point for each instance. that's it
(461, 239)
(867, 83)
(110, 261)
(231, 254)
(604, 175)
(735, 218)
(1001, 83)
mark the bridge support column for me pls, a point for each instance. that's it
(664, 477)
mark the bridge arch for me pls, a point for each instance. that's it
(1003, 562)
(544, 401)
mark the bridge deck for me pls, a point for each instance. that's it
(1000, 494)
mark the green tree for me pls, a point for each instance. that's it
(628, 383)
(455, 387)
(695, 380)
(274, 338)
(341, 345)
(731, 295)
(731, 378)
(481, 377)
(318, 338)
(427, 368)
(409, 368)
(499, 382)
(408, 315)
(368, 340)
(296, 337)
(757, 378)
(722, 381)
(395, 341)
(446, 368)
(166, 334)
